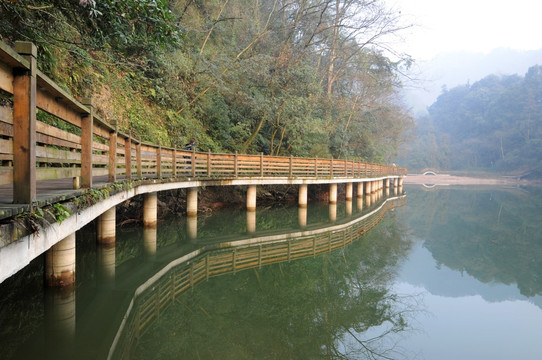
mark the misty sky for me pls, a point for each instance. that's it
(469, 25)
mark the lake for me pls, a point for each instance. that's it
(453, 274)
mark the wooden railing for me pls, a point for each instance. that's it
(80, 144)
(161, 290)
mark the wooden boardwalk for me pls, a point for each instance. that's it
(41, 160)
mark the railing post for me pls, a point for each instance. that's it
(235, 164)
(291, 170)
(24, 127)
(113, 154)
(128, 157)
(174, 162)
(261, 164)
(87, 126)
(209, 167)
(159, 162)
(138, 160)
(316, 167)
(331, 168)
(193, 162)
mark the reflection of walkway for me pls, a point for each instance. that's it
(160, 290)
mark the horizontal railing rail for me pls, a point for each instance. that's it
(46, 134)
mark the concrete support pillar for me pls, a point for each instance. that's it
(150, 209)
(359, 189)
(192, 202)
(368, 187)
(106, 227)
(302, 200)
(387, 191)
(251, 198)
(332, 212)
(302, 216)
(192, 227)
(60, 263)
(251, 221)
(387, 183)
(401, 181)
(395, 182)
(349, 191)
(149, 241)
(333, 193)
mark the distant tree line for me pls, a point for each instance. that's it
(300, 77)
(493, 124)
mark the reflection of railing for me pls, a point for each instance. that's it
(162, 289)
(74, 141)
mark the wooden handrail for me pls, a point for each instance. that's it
(90, 146)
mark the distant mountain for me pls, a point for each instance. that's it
(457, 68)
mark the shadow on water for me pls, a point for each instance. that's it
(322, 304)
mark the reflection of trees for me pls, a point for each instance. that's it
(491, 235)
(318, 307)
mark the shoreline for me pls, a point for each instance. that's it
(441, 179)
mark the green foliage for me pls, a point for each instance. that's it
(60, 213)
(237, 75)
(493, 124)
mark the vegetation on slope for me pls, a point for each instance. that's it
(495, 124)
(300, 77)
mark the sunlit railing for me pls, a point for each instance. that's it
(162, 289)
(82, 145)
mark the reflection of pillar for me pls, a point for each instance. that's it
(106, 227)
(150, 209)
(395, 190)
(387, 191)
(60, 319)
(302, 216)
(359, 189)
(192, 227)
(332, 212)
(332, 193)
(349, 207)
(106, 263)
(192, 202)
(60, 263)
(251, 221)
(302, 201)
(374, 198)
(149, 241)
(349, 191)
(368, 199)
(251, 198)
(360, 203)
(368, 187)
